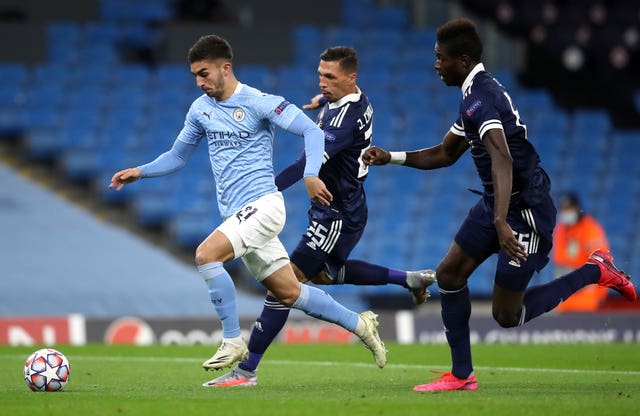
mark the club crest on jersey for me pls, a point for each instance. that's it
(238, 114)
(473, 107)
(329, 137)
(280, 108)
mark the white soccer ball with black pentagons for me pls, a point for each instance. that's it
(46, 370)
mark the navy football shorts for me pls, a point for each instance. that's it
(533, 227)
(327, 243)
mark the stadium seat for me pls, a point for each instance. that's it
(591, 122)
(12, 74)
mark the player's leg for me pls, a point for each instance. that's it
(358, 272)
(332, 241)
(534, 226)
(240, 235)
(210, 256)
(453, 273)
(274, 316)
(270, 265)
(474, 242)
(513, 306)
(266, 328)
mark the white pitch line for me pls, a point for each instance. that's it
(348, 364)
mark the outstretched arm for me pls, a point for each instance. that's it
(441, 155)
(166, 163)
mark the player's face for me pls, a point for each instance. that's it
(449, 68)
(335, 82)
(211, 76)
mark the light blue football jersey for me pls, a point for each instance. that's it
(239, 132)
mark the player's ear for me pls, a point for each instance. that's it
(465, 60)
(226, 67)
(352, 78)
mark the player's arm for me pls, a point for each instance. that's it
(502, 177)
(439, 156)
(166, 163)
(291, 174)
(314, 150)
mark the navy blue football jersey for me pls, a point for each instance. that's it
(486, 105)
(347, 126)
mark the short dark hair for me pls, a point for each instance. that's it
(210, 48)
(459, 37)
(347, 57)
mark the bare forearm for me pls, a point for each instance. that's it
(502, 177)
(429, 158)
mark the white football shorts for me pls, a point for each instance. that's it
(253, 233)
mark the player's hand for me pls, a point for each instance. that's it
(317, 190)
(376, 156)
(315, 103)
(124, 177)
(508, 242)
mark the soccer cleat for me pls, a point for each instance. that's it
(228, 354)
(234, 378)
(418, 283)
(369, 335)
(611, 276)
(447, 381)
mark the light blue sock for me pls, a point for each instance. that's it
(223, 296)
(321, 305)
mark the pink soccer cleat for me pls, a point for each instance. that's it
(610, 276)
(447, 381)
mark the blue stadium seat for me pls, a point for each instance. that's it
(63, 32)
(345, 36)
(591, 122)
(189, 230)
(258, 76)
(294, 78)
(11, 94)
(12, 121)
(13, 74)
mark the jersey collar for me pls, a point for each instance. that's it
(349, 98)
(469, 79)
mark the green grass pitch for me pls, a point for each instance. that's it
(333, 380)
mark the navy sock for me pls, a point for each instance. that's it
(266, 329)
(456, 311)
(358, 272)
(543, 298)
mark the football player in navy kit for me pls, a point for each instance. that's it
(322, 254)
(514, 217)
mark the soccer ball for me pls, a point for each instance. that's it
(46, 370)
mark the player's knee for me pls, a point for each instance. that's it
(448, 278)
(202, 256)
(506, 319)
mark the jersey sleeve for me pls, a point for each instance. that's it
(457, 128)
(484, 114)
(277, 110)
(192, 131)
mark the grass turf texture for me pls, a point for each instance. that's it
(332, 380)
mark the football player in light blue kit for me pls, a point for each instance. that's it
(238, 122)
